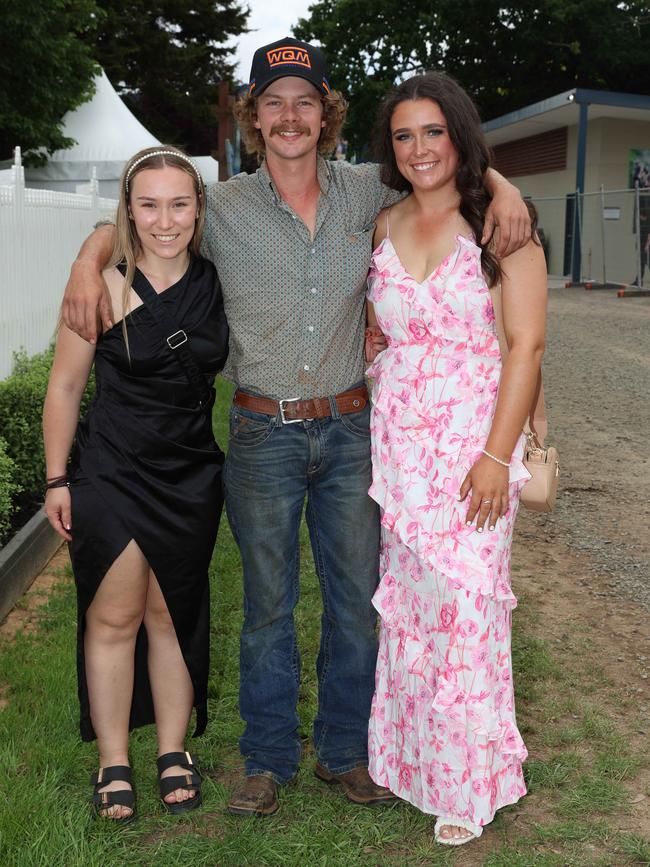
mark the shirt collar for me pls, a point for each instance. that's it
(323, 173)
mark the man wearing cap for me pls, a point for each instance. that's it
(292, 246)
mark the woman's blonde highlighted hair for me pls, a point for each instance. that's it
(335, 109)
(127, 246)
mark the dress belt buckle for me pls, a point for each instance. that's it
(282, 408)
(178, 338)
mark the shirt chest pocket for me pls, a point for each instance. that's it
(361, 235)
(356, 249)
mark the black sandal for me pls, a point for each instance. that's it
(121, 798)
(190, 780)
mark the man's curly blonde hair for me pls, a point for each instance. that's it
(335, 109)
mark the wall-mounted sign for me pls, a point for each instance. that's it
(611, 213)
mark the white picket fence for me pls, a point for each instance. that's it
(40, 234)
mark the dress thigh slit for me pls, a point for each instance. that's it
(99, 539)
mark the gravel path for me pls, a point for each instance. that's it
(597, 383)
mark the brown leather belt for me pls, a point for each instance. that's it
(295, 409)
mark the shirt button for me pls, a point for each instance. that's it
(310, 327)
(306, 367)
(313, 250)
(293, 217)
(314, 290)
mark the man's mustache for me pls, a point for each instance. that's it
(282, 127)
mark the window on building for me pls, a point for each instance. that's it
(533, 155)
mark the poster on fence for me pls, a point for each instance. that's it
(640, 175)
(640, 168)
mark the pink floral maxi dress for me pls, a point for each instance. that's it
(442, 732)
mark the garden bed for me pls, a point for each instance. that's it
(23, 558)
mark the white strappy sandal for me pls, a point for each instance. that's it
(450, 821)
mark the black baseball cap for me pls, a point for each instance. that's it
(288, 57)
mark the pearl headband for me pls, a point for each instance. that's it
(161, 153)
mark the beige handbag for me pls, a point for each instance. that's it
(542, 462)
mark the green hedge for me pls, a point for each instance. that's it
(21, 408)
(9, 489)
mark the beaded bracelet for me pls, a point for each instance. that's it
(495, 458)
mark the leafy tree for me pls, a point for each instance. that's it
(506, 55)
(165, 58)
(45, 70)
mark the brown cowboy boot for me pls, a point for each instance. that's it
(357, 785)
(254, 796)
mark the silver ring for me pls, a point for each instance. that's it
(487, 501)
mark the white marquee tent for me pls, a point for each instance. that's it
(107, 134)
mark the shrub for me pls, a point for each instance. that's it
(21, 409)
(9, 488)
(21, 406)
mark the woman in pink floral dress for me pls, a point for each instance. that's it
(447, 466)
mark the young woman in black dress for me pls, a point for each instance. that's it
(139, 501)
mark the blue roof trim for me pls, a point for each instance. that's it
(610, 97)
(578, 95)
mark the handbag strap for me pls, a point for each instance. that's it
(536, 424)
(175, 338)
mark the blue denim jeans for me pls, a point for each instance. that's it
(270, 469)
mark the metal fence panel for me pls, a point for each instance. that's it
(551, 219)
(613, 227)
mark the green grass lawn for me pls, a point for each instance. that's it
(578, 777)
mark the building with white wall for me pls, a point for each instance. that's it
(580, 140)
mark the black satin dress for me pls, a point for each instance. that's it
(146, 467)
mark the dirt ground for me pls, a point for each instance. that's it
(25, 615)
(590, 559)
(596, 376)
(585, 568)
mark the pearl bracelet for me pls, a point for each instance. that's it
(494, 458)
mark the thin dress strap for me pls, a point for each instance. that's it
(388, 222)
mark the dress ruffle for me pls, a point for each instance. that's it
(432, 429)
(450, 557)
(398, 608)
(436, 530)
(447, 749)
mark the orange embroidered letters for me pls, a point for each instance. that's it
(288, 55)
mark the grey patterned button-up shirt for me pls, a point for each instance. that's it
(295, 305)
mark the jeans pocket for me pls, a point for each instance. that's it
(249, 431)
(358, 422)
